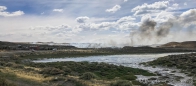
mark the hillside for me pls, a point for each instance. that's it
(36, 46)
(186, 44)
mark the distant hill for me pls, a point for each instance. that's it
(37, 46)
(186, 44)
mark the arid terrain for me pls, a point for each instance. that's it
(17, 68)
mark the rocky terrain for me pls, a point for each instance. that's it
(185, 62)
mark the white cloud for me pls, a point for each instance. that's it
(125, 0)
(3, 8)
(125, 19)
(60, 28)
(122, 24)
(185, 3)
(146, 18)
(150, 8)
(126, 23)
(113, 9)
(164, 16)
(58, 10)
(6, 35)
(8, 14)
(55, 32)
(42, 28)
(175, 5)
(97, 26)
(82, 19)
(128, 26)
(188, 17)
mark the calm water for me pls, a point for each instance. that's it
(133, 60)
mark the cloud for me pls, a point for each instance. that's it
(185, 3)
(175, 28)
(2, 8)
(175, 5)
(58, 10)
(55, 32)
(97, 26)
(126, 23)
(82, 19)
(122, 24)
(113, 9)
(125, 0)
(125, 19)
(8, 14)
(50, 28)
(164, 16)
(150, 8)
(86, 18)
(127, 26)
(42, 28)
(6, 35)
(188, 17)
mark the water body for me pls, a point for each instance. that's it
(167, 74)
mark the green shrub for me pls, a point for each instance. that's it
(66, 69)
(9, 64)
(129, 77)
(138, 83)
(2, 63)
(19, 66)
(29, 69)
(75, 82)
(121, 83)
(88, 76)
(51, 71)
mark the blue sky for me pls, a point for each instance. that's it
(114, 22)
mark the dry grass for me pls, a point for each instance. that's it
(93, 82)
(26, 75)
(40, 78)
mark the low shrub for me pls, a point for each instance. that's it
(88, 76)
(129, 77)
(121, 83)
(4, 82)
(138, 83)
(51, 71)
(19, 66)
(9, 64)
(75, 82)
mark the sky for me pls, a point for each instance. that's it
(113, 22)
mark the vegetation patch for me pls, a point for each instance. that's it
(121, 83)
(102, 70)
(4, 82)
(88, 76)
(185, 62)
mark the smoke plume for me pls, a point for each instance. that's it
(154, 32)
